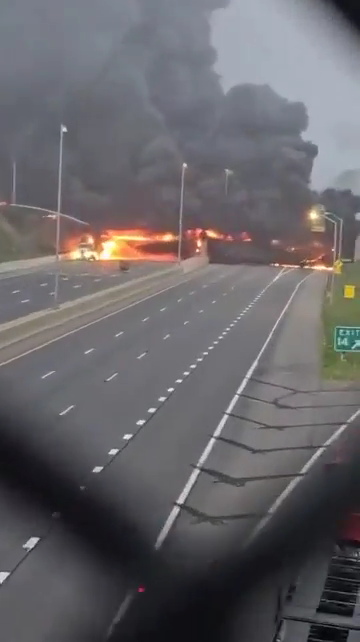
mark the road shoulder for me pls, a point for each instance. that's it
(281, 419)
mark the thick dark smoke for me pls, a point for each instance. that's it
(134, 82)
(345, 205)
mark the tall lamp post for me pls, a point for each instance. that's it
(228, 173)
(340, 221)
(335, 248)
(13, 182)
(315, 215)
(335, 224)
(63, 130)
(181, 210)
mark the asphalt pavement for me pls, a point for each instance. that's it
(135, 398)
(22, 294)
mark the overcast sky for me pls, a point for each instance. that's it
(309, 56)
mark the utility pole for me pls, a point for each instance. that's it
(63, 130)
(181, 210)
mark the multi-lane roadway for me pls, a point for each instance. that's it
(137, 395)
(24, 293)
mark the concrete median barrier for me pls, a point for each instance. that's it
(30, 264)
(10, 266)
(195, 263)
(38, 322)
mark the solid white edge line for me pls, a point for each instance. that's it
(173, 515)
(305, 469)
(220, 427)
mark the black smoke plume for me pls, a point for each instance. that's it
(345, 205)
(135, 84)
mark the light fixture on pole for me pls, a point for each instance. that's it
(181, 210)
(63, 130)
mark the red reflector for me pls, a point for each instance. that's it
(141, 589)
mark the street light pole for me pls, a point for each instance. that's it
(13, 183)
(63, 130)
(335, 224)
(341, 232)
(181, 210)
(228, 173)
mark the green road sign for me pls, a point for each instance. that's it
(347, 338)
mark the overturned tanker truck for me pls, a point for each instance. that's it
(309, 241)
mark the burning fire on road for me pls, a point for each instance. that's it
(139, 245)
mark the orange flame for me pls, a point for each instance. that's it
(128, 245)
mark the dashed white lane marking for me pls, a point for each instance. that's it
(25, 301)
(214, 301)
(179, 300)
(191, 293)
(167, 336)
(3, 576)
(77, 286)
(127, 437)
(197, 470)
(146, 319)
(43, 285)
(31, 543)
(162, 309)
(90, 350)
(97, 280)
(200, 311)
(15, 291)
(186, 322)
(142, 355)
(119, 334)
(112, 377)
(48, 374)
(151, 411)
(220, 427)
(96, 321)
(113, 452)
(65, 412)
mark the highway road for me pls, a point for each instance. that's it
(26, 293)
(137, 396)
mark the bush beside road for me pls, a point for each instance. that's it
(341, 312)
(22, 236)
